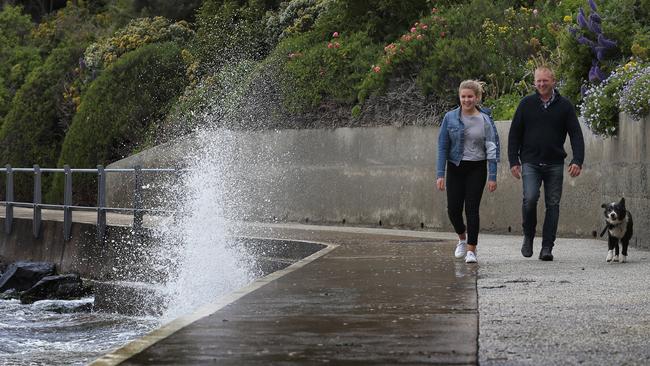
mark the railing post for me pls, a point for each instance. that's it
(137, 201)
(178, 215)
(101, 203)
(9, 217)
(67, 202)
(36, 222)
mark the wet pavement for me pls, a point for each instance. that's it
(372, 300)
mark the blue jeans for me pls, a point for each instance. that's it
(552, 176)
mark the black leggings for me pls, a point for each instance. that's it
(465, 184)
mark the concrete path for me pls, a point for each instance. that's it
(576, 310)
(385, 297)
(372, 300)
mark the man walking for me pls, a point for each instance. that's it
(536, 153)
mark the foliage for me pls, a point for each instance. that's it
(440, 50)
(227, 32)
(293, 17)
(71, 25)
(588, 44)
(176, 10)
(119, 107)
(37, 9)
(635, 96)
(212, 100)
(17, 57)
(381, 20)
(600, 107)
(31, 133)
(327, 69)
(137, 33)
(504, 107)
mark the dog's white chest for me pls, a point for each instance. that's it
(618, 231)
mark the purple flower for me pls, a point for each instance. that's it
(595, 74)
(595, 18)
(581, 19)
(607, 43)
(592, 5)
(595, 27)
(573, 30)
(586, 41)
(600, 52)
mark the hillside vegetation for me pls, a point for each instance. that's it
(86, 83)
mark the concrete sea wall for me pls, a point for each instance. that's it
(384, 176)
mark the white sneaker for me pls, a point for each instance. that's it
(461, 249)
(470, 257)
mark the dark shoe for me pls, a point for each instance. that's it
(545, 254)
(527, 247)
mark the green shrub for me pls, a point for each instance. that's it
(17, 56)
(600, 106)
(503, 108)
(118, 109)
(635, 95)
(137, 33)
(212, 100)
(317, 69)
(381, 20)
(227, 32)
(177, 10)
(295, 16)
(441, 49)
(32, 133)
(71, 25)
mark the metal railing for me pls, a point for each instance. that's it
(37, 205)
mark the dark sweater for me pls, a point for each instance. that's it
(537, 135)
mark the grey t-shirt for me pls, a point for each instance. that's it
(474, 149)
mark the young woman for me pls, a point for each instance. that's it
(468, 147)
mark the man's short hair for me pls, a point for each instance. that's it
(545, 68)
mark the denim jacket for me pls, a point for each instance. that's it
(451, 142)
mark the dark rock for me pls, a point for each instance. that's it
(10, 294)
(61, 287)
(23, 275)
(67, 307)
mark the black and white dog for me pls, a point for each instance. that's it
(619, 227)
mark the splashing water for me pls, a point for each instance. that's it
(205, 263)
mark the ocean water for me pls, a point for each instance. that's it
(51, 332)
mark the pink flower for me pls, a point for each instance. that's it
(413, 30)
(330, 45)
(335, 34)
(443, 34)
(419, 37)
(336, 45)
(425, 27)
(376, 69)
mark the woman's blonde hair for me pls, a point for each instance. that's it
(473, 85)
